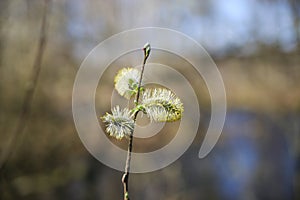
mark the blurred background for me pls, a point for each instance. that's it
(256, 46)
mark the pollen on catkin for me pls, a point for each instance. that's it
(126, 82)
(162, 105)
(119, 124)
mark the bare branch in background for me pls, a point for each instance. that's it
(4, 10)
(27, 103)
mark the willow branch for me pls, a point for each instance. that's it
(125, 178)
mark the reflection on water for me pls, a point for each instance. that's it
(254, 160)
(251, 161)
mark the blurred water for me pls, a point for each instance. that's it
(252, 160)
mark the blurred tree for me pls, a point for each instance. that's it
(295, 10)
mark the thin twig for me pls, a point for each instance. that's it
(125, 178)
(26, 107)
(4, 13)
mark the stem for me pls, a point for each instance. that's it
(125, 178)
